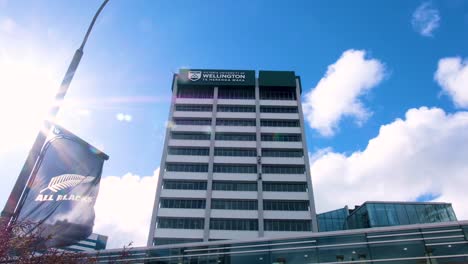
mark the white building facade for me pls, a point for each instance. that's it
(235, 161)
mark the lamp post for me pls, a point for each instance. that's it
(11, 207)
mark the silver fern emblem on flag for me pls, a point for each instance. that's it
(66, 181)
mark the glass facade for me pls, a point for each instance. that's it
(333, 220)
(378, 214)
(423, 244)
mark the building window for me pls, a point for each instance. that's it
(224, 168)
(236, 93)
(233, 224)
(167, 241)
(180, 223)
(287, 225)
(192, 122)
(282, 205)
(278, 109)
(182, 203)
(284, 187)
(282, 137)
(190, 136)
(279, 123)
(187, 167)
(235, 152)
(234, 204)
(195, 92)
(237, 108)
(273, 93)
(194, 108)
(235, 137)
(184, 185)
(283, 169)
(235, 122)
(189, 151)
(286, 153)
(234, 186)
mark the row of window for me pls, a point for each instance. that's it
(184, 185)
(282, 137)
(228, 168)
(226, 204)
(236, 186)
(278, 109)
(192, 122)
(278, 94)
(195, 92)
(224, 168)
(236, 108)
(237, 93)
(183, 203)
(236, 122)
(189, 151)
(279, 123)
(236, 152)
(287, 225)
(187, 167)
(190, 136)
(281, 205)
(286, 153)
(283, 169)
(194, 108)
(234, 224)
(234, 204)
(180, 223)
(236, 136)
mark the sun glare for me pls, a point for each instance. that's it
(27, 88)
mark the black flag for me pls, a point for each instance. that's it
(60, 197)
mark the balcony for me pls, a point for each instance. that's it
(234, 195)
(241, 214)
(170, 193)
(205, 101)
(299, 215)
(187, 158)
(181, 212)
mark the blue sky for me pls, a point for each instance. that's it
(137, 45)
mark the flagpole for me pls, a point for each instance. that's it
(11, 207)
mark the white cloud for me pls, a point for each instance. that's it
(7, 25)
(424, 153)
(124, 117)
(337, 93)
(452, 76)
(124, 207)
(425, 19)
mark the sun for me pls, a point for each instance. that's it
(27, 89)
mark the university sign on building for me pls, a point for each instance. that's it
(216, 77)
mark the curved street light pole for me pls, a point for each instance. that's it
(23, 182)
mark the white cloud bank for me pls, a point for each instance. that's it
(337, 93)
(425, 19)
(424, 153)
(124, 207)
(452, 76)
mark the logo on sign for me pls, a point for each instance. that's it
(194, 75)
(63, 182)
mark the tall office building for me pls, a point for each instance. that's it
(235, 161)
